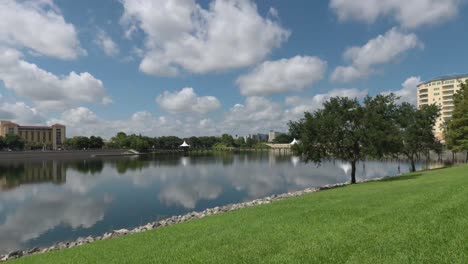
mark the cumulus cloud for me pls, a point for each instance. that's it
(21, 113)
(297, 106)
(408, 92)
(39, 26)
(182, 35)
(47, 90)
(283, 75)
(254, 115)
(82, 121)
(187, 101)
(105, 42)
(409, 14)
(380, 50)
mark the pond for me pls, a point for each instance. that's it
(47, 201)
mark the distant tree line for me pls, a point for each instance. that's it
(377, 127)
(80, 142)
(140, 142)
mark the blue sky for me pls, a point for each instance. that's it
(207, 67)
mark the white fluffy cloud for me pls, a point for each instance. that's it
(187, 101)
(47, 90)
(181, 35)
(39, 26)
(283, 75)
(409, 14)
(299, 105)
(380, 50)
(83, 121)
(105, 42)
(254, 115)
(21, 113)
(408, 92)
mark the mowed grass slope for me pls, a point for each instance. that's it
(418, 218)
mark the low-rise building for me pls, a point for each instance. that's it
(48, 137)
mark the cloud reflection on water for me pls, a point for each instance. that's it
(79, 198)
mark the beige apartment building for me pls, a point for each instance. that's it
(440, 91)
(52, 137)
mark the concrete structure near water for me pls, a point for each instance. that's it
(440, 91)
(52, 137)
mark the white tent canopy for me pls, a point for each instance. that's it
(184, 145)
(294, 142)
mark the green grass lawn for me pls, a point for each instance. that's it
(418, 218)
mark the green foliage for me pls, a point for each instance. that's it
(13, 141)
(416, 130)
(457, 129)
(220, 146)
(417, 218)
(80, 142)
(227, 140)
(283, 139)
(349, 131)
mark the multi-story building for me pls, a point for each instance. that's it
(440, 91)
(52, 137)
(272, 135)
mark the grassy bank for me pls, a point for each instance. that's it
(418, 218)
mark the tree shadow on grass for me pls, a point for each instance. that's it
(402, 178)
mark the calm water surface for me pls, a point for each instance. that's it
(43, 202)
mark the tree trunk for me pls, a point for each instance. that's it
(353, 172)
(466, 159)
(453, 157)
(413, 166)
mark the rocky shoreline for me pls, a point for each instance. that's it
(170, 221)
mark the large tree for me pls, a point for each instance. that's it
(416, 130)
(344, 129)
(456, 134)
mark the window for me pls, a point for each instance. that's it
(435, 94)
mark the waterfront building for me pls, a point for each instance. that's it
(440, 91)
(272, 135)
(48, 137)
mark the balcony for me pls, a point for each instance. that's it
(423, 101)
(448, 92)
(423, 90)
(448, 108)
(423, 96)
(448, 87)
(447, 113)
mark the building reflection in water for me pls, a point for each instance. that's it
(13, 175)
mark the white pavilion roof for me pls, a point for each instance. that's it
(294, 142)
(184, 145)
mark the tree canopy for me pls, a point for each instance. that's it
(352, 131)
(456, 134)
